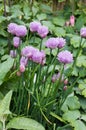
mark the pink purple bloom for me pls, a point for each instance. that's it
(43, 31)
(72, 20)
(12, 27)
(13, 53)
(28, 51)
(83, 32)
(65, 57)
(34, 26)
(16, 41)
(60, 42)
(51, 43)
(20, 31)
(39, 57)
(23, 60)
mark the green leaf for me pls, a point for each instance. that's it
(59, 21)
(49, 24)
(83, 117)
(71, 103)
(4, 68)
(5, 103)
(75, 41)
(24, 123)
(41, 16)
(78, 125)
(71, 115)
(81, 61)
(59, 31)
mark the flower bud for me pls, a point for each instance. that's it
(66, 81)
(65, 88)
(22, 68)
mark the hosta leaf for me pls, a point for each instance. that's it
(24, 123)
(4, 68)
(83, 117)
(5, 103)
(59, 31)
(41, 16)
(71, 103)
(59, 21)
(75, 41)
(78, 125)
(71, 115)
(81, 61)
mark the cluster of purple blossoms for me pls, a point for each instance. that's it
(65, 57)
(40, 29)
(33, 54)
(55, 42)
(83, 32)
(18, 30)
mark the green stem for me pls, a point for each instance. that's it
(58, 81)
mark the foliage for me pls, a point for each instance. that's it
(44, 102)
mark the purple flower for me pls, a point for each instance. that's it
(43, 31)
(20, 31)
(65, 57)
(34, 26)
(39, 57)
(83, 32)
(60, 42)
(51, 43)
(28, 51)
(12, 27)
(16, 41)
(13, 53)
(23, 60)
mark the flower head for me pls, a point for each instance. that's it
(28, 51)
(20, 31)
(13, 53)
(60, 42)
(43, 31)
(83, 32)
(16, 41)
(51, 43)
(12, 27)
(65, 57)
(39, 57)
(34, 26)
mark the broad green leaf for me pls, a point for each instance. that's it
(81, 61)
(2, 18)
(75, 41)
(59, 31)
(83, 117)
(1, 127)
(24, 123)
(71, 103)
(4, 68)
(59, 21)
(78, 125)
(71, 115)
(41, 16)
(5, 104)
(49, 24)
